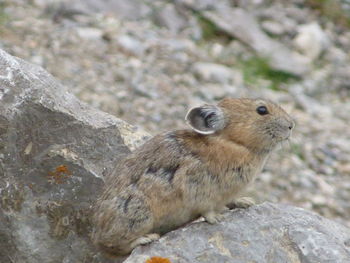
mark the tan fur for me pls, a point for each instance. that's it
(178, 176)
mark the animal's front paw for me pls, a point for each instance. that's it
(213, 217)
(243, 202)
(145, 240)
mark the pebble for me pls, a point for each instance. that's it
(273, 27)
(131, 44)
(89, 33)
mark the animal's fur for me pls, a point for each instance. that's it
(178, 176)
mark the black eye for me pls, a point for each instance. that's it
(262, 110)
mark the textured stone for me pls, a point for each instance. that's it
(311, 40)
(54, 151)
(263, 233)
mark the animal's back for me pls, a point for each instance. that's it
(147, 188)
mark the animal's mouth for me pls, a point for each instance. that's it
(281, 136)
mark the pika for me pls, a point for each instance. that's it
(178, 176)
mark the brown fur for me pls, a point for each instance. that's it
(178, 176)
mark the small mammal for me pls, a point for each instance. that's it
(177, 176)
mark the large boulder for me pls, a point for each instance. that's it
(54, 151)
(263, 234)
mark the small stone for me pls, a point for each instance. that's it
(89, 33)
(319, 200)
(311, 40)
(39, 60)
(131, 44)
(324, 186)
(272, 27)
(170, 18)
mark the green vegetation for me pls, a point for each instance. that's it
(256, 68)
(210, 31)
(297, 149)
(331, 9)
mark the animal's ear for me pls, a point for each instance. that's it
(206, 119)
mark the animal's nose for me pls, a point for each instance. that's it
(291, 125)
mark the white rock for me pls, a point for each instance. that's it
(214, 72)
(89, 33)
(311, 40)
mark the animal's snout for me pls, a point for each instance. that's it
(286, 123)
(291, 125)
(283, 128)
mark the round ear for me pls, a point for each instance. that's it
(206, 119)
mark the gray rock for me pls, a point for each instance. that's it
(54, 151)
(170, 18)
(272, 27)
(263, 233)
(131, 45)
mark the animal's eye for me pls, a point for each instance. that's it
(262, 110)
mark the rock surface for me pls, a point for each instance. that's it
(264, 233)
(54, 153)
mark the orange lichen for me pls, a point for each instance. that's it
(158, 260)
(59, 175)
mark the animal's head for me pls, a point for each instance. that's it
(254, 123)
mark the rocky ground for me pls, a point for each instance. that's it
(148, 61)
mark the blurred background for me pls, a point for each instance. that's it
(149, 61)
